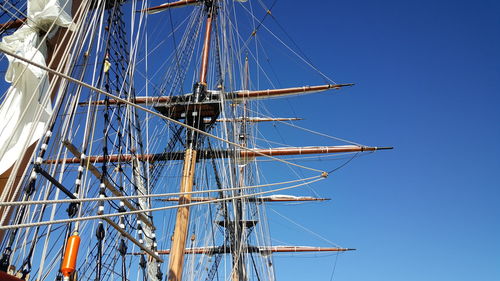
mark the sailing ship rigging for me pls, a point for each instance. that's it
(110, 172)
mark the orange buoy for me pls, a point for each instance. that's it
(69, 262)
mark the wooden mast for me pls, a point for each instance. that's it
(239, 267)
(176, 261)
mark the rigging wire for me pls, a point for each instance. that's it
(292, 51)
(128, 179)
(45, 101)
(90, 199)
(334, 266)
(291, 124)
(156, 209)
(305, 228)
(153, 112)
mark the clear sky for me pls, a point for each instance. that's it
(427, 82)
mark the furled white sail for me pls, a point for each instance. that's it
(27, 107)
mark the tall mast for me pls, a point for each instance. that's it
(239, 235)
(199, 110)
(195, 119)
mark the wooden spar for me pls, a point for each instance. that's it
(182, 219)
(296, 249)
(259, 94)
(256, 119)
(122, 158)
(236, 96)
(281, 151)
(12, 24)
(276, 198)
(206, 50)
(307, 150)
(165, 6)
(127, 235)
(137, 100)
(262, 250)
(286, 198)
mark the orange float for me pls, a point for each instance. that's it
(70, 255)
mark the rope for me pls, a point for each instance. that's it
(153, 112)
(306, 229)
(291, 50)
(81, 200)
(309, 130)
(152, 209)
(72, 36)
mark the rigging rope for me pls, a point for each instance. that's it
(151, 195)
(153, 112)
(154, 209)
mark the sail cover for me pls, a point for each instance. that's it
(27, 107)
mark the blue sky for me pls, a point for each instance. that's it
(427, 82)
